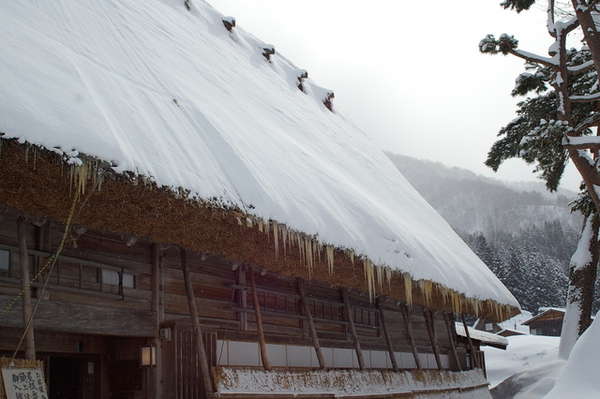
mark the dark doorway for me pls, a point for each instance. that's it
(65, 378)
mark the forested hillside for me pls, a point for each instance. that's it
(525, 235)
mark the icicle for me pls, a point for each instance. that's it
(284, 233)
(350, 254)
(388, 276)
(426, 287)
(275, 237)
(368, 268)
(300, 247)
(407, 288)
(329, 252)
(308, 254)
(261, 226)
(379, 273)
(82, 174)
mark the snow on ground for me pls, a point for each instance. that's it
(579, 378)
(523, 352)
(171, 94)
(515, 323)
(530, 368)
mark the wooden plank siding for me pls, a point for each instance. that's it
(84, 307)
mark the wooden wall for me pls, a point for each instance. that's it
(83, 298)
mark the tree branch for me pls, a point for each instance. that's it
(534, 58)
(585, 99)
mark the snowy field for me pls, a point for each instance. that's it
(531, 369)
(523, 352)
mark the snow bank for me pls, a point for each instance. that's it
(523, 352)
(465, 384)
(579, 376)
(171, 94)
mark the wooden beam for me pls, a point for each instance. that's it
(85, 319)
(471, 346)
(452, 341)
(243, 298)
(386, 334)
(155, 389)
(428, 315)
(207, 385)
(26, 297)
(350, 319)
(311, 324)
(259, 326)
(409, 332)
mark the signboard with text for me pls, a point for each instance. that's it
(24, 383)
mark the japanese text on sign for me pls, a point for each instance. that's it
(24, 384)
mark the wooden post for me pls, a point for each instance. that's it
(471, 346)
(409, 332)
(25, 277)
(155, 386)
(350, 319)
(428, 315)
(259, 326)
(452, 342)
(311, 324)
(200, 348)
(243, 298)
(386, 334)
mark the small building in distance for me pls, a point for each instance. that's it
(547, 322)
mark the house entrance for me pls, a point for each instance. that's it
(65, 377)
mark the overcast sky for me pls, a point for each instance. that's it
(408, 73)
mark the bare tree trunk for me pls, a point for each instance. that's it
(582, 277)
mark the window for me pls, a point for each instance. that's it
(111, 277)
(4, 261)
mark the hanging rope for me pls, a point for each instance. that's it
(50, 263)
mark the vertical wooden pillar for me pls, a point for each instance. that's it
(429, 322)
(200, 348)
(452, 341)
(475, 360)
(25, 277)
(311, 324)
(259, 326)
(243, 298)
(386, 334)
(155, 389)
(409, 332)
(350, 319)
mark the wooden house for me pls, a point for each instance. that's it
(180, 221)
(547, 322)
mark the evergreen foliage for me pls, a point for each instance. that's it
(532, 263)
(536, 134)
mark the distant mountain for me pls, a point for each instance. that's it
(524, 234)
(474, 203)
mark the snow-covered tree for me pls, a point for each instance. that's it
(558, 125)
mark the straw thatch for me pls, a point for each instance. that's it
(36, 181)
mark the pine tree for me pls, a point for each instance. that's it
(556, 126)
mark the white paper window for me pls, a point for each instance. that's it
(4, 260)
(111, 277)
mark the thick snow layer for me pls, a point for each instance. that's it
(579, 377)
(523, 353)
(515, 323)
(354, 383)
(485, 337)
(171, 94)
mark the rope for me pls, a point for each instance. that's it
(50, 263)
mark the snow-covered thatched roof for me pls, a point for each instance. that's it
(173, 95)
